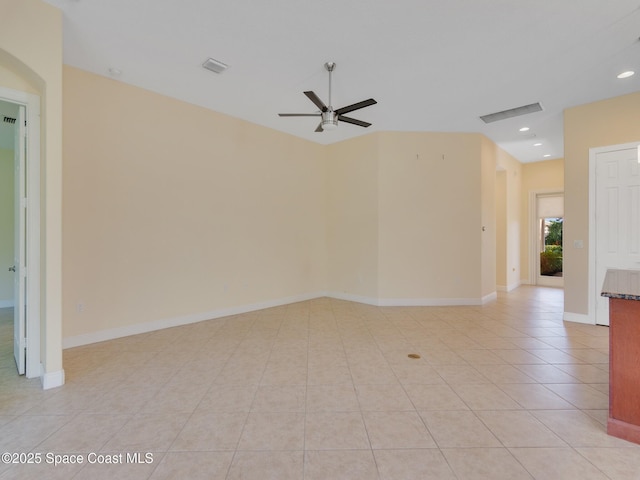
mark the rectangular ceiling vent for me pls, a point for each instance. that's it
(513, 112)
(215, 65)
(10, 120)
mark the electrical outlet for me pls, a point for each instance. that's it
(80, 307)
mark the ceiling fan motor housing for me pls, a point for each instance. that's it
(329, 120)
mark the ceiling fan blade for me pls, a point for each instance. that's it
(298, 114)
(360, 123)
(356, 106)
(318, 103)
(319, 129)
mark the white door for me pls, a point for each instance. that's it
(19, 265)
(617, 218)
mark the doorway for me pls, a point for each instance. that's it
(20, 220)
(614, 226)
(8, 115)
(547, 224)
(10, 247)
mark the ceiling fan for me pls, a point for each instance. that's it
(328, 116)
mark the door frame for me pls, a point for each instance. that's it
(594, 290)
(534, 234)
(31, 103)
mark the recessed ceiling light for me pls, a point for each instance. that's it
(627, 74)
(537, 144)
(547, 155)
(524, 129)
(115, 72)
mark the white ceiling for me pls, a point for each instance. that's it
(432, 65)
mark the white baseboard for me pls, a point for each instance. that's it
(577, 318)
(429, 302)
(489, 298)
(138, 328)
(51, 379)
(508, 288)
(353, 298)
(412, 302)
(6, 303)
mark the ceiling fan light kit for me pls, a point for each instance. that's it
(328, 116)
(329, 120)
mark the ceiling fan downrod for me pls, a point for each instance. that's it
(330, 66)
(329, 118)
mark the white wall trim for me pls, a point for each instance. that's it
(510, 287)
(32, 161)
(138, 328)
(354, 298)
(6, 303)
(52, 379)
(578, 318)
(431, 302)
(489, 298)
(413, 302)
(593, 289)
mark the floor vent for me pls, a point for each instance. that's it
(513, 112)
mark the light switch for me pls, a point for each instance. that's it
(578, 244)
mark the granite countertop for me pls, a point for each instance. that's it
(623, 284)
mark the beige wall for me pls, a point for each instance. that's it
(536, 177)
(31, 60)
(13, 80)
(430, 217)
(546, 175)
(508, 228)
(609, 122)
(172, 210)
(352, 217)
(488, 165)
(501, 230)
(405, 212)
(189, 211)
(6, 226)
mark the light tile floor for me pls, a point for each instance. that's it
(324, 390)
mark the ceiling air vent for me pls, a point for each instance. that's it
(10, 120)
(513, 112)
(215, 65)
